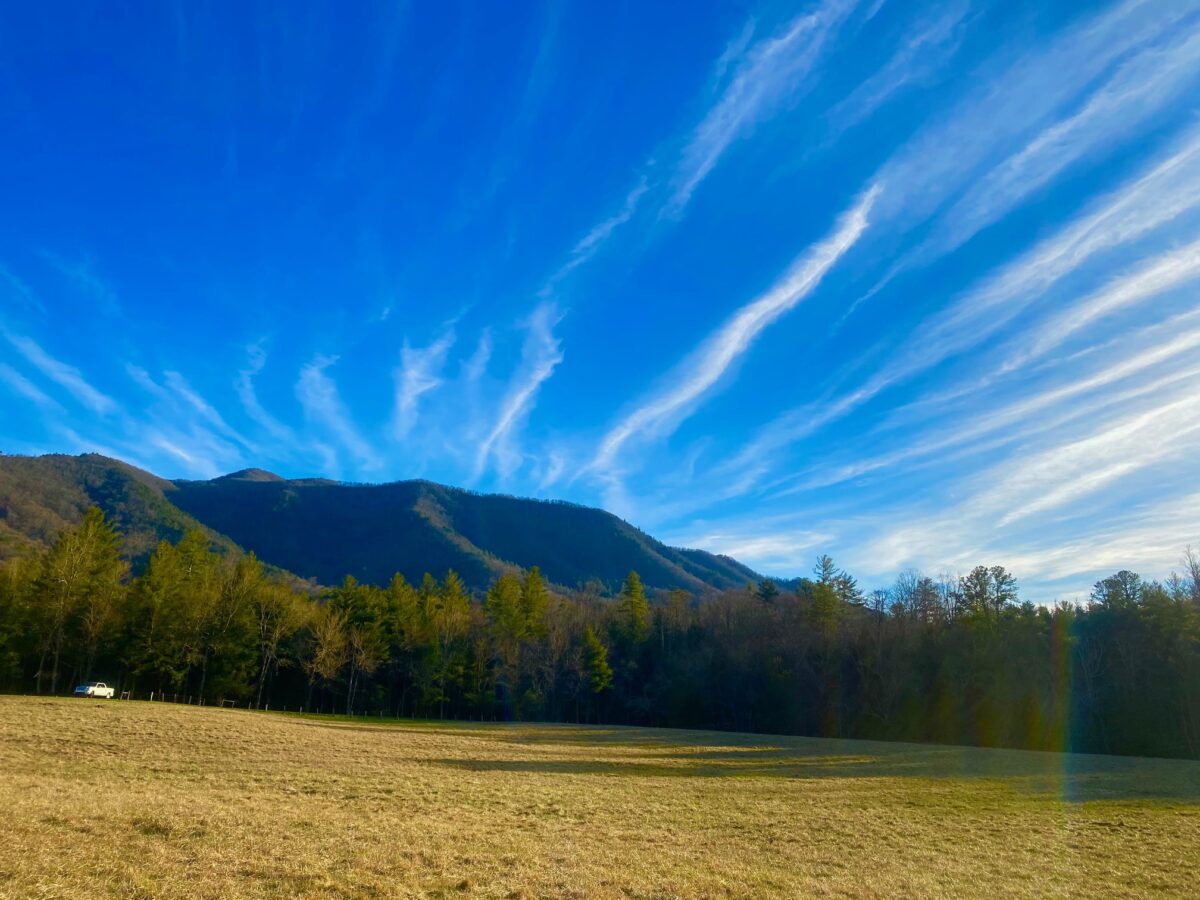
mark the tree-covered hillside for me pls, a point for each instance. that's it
(323, 530)
(41, 497)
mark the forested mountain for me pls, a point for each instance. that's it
(324, 530)
(43, 496)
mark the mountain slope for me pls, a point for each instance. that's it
(42, 496)
(325, 530)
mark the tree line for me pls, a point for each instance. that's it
(954, 660)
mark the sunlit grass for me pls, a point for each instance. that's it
(141, 800)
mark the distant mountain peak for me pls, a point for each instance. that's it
(251, 475)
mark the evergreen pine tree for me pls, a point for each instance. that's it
(633, 610)
(595, 659)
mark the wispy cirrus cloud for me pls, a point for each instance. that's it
(1095, 488)
(589, 245)
(323, 406)
(701, 371)
(1139, 88)
(180, 388)
(146, 382)
(924, 49)
(475, 366)
(1048, 484)
(1012, 113)
(184, 426)
(1030, 119)
(420, 372)
(1153, 278)
(1145, 538)
(23, 387)
(765, 76)
(1166, 190)
(540, 356)
(65, 376)
(256, 361)
(78, 443)
(785, 548)
(1158, 359)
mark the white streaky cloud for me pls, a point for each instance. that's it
(1062, 474)
(932, 44)
(874, 10)
(774, 543)
(248, 395)
(601, 233)
(1140, 87)
(733, 52)
(330, 466)
(1030, 487)
(1159, 275)
(214, 449)
(78, 444)
(1034, 414)
(142, 379)
(555, 465)
(184, 426)
(1168, 189)
(781, 553)
(1148, 537)
(475, 366)
(1016, 132)
(322, 404)
(67, 377)
(184, 392)
(1005, 113)
(196, 464)
(589, 245)
(766, 76)
(957, 446)
(540, 356)
(1160, 338)
(420, 372)
(23, 387)
(699, 373)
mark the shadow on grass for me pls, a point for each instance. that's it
(1073, 779)
(663, 753)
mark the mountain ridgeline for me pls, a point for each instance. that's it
(324, 530)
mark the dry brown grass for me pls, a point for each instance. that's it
(141, 800)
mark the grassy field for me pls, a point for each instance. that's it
(140, 800)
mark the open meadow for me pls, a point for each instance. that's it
(155, 800)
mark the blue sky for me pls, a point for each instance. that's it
(912, 284)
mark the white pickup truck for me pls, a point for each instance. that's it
(95, 689)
